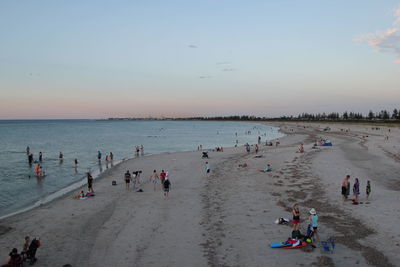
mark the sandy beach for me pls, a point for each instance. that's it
(227, 217)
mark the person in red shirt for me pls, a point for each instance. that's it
(162, 176)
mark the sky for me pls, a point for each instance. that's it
(100, 59)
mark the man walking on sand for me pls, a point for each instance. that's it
(166, 185)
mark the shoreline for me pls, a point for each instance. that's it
(211, 219)
(80, 184)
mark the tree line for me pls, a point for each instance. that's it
(381, 116)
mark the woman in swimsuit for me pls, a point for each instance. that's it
(296, 217)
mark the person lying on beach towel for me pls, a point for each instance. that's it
(243, 165)
(82, 195)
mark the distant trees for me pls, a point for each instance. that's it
(395, 114)
(382, 115)
(348, 116)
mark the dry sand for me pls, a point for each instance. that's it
(227, 218)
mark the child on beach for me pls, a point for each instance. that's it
(154, 178)
(314, 222)
(25, 247)
(296, 217)
(368, 189)
(356, 190)
(166, 186)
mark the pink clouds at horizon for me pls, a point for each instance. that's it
(387, 41)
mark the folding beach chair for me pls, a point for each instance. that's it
(329, 245)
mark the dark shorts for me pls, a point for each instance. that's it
(166, 189)
(127, 181)
(344, 190)
(208, 170)
(315, 228)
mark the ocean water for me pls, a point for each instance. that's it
(81, 139)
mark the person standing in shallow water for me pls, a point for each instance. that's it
(40, 156)
(30, 158)
(28, 149)
(99, 155)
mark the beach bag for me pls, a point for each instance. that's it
(296, 234)
(114, 182)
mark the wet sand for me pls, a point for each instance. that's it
(227, 218)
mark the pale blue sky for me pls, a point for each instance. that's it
(96, 59)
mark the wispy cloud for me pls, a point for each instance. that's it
(387, 41)
(229, 69)
(204, 77)
(192, 46)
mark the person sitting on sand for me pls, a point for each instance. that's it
(243, 165)
(14, 259)
(268, 168)
(315, 146)
(301, 149)
(356, 190)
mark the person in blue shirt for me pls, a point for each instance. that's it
(314, 222)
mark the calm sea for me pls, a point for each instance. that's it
(81, 139)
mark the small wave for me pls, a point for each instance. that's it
(13, 152)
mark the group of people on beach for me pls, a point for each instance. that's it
(139, 150)
(345, 189)
(28, 253)
(163, 179)
(108, 157)
(133, 177)
(312, 221)
(155, 179)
